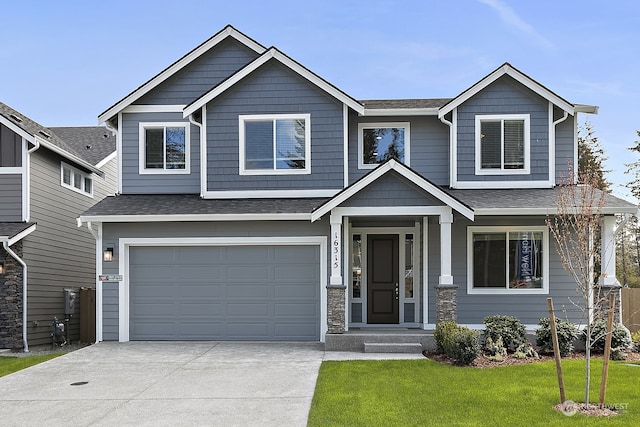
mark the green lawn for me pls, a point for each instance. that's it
(9, 365)
(427, 393)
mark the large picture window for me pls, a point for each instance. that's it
(279, 144)
(379, 142)
(502, 144)
(504, 260)
(164, 148)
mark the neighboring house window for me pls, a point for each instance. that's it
(379, 142)
(164, 148)
(10, 148)
(502, 144)
(76, 180)
(508, 260)
(279, 144)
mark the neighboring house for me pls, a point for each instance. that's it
(48, 176)
(257, 201)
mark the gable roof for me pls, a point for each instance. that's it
(93, 143)
(39, 135)
(178, 65)
(274, 54)
(511, 71)
(406, 172)
(403, 107)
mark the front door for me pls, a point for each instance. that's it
(382, 279)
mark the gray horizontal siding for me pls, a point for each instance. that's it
(392, 190)
(472, 309)
(201, 75)
(11, 197)
(135, 183)
(429, 146)
(274, 89)
(565, 148)
(504, 96)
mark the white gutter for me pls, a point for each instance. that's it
(26, 215)
(452, 159)
(203, 149)
(552, 144)
(5, 244)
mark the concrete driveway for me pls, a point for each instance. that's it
(170, 383)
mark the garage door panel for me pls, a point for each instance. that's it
(224, 293)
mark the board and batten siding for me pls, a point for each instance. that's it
(135, 183)
(274, 89)
(204, 73)
(429, 146)
(11, 197)
(59, 254)
(504, 96)
(112, 232)
(472, 309)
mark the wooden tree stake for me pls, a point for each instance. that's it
(556, 349)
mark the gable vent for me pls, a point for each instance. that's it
(43, 133)
(15, 118)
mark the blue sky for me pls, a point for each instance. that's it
(65, 62)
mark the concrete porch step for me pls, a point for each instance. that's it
(376, 347)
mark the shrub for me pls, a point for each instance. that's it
(635, 339)
(524, 351)
(620, 339)
(442, 335)
(465, 345)
(567, 333)
(512, 332)
(495, 351)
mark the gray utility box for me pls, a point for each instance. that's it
(69, 302)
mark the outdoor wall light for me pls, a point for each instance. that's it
(1, 267)
(107, 255)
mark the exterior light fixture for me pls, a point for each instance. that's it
(107, 255)
(1, 267)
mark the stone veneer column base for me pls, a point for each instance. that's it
(335, 309)
(446, 303)
(602, 302)
(11, 300)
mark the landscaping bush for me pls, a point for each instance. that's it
(620, 339)
(495, 351)
(567, 333)
(635, 339)
(465, 345)
(442, 335)
(512, 332)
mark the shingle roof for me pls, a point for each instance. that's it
(12, 229)
(92, 143)
(192, 204)
(385, 104)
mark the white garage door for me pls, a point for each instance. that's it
(224, 293)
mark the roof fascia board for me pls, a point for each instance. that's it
(69, 156)
(516, 75)
(400, 112)
(228, 31)
(269, 194)
(11, 240)
(548, 211)
(195, 217)
(585, 108)
(273, 53)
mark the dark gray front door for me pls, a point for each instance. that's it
(382, 278)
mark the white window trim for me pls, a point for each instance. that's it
(84, 176)
(142, 170)
(527, 146)
(264, 117)
(407, 141)
(506, 291)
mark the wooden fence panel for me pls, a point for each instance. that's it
(631, 308)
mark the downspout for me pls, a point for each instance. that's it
(552, 155)
(5, 244)
(452, 159)
(27, 183)
(203, 151)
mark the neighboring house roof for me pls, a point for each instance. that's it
(12, 232)
(530, 201)
(191, 207)
(274, 54)
(44, 136)
(396, 107)
(172, 69)
(93, 143)
(510, 70)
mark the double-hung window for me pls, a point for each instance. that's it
(275, 144)
(502, 144)
(164, 148)
(76, 180)
(379, 142)
(503, 260)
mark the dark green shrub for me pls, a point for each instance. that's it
(512, 332)
(635, 339)
(567, 334)
(465, 345)
(620, 339)
(442, 335)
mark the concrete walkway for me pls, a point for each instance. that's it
(170, 383)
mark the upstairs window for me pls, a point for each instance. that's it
(502, 144)
(10, 148)
(76, 180)
(379, 142)
(279, 144)
(164, 148)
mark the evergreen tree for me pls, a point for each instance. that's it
(591, 158)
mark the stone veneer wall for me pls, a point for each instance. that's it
(335, 309)
(11, 300)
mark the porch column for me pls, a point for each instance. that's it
(446, 304)
(608, 282)
(336, 288)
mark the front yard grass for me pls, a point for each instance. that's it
(427, 393)
(9, 365)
